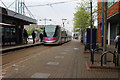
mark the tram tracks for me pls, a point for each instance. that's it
(13, 58)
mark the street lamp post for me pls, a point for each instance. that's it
(105, 26)
(46, 20)
(102, 21)
(119, 31)
(63, 21)
(91, 25)
(105, 30)
(118, 37)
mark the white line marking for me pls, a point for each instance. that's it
(53, 63)
(59, 56)
(40, 75)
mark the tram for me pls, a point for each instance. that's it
(54, 34)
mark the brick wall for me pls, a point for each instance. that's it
(99, 15)
(99, 34)
(112, 10)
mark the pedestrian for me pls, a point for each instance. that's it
(116, 40)
(33, 36)
(25, 36)
(41, 37)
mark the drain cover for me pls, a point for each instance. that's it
(40, 75)
(76, 48)
(63, 53)
(53, 63)
(59, 56)
(66, 50)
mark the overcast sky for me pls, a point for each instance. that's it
(55, 12)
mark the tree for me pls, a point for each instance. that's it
(81, 17)
(30, 32)
(40, 30)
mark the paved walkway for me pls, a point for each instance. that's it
(72, 64)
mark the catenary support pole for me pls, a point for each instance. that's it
(119, 30)
(102, 21)
(105, 29)
(91, 25)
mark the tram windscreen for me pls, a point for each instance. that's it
(50, 30)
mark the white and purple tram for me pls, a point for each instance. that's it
(54, 34)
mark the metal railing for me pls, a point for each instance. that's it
(106, 52)
(92, 54)
(115, 56)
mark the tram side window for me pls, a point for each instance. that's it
(64, 33)
(13, 32)
(2, 31)
(7, 32)
(57, 31)
(13, 39)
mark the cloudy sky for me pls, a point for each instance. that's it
(56, 12)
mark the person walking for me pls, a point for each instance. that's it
(33, 36)
(41, 37)
(116, 40)
(25, 36)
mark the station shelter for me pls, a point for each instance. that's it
(12, 26)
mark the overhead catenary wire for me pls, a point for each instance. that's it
(11, 4)
(19, 5)
(28, 11)
(4, 4)
(56, 12)
(50, 4)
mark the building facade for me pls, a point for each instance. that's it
(112, 21)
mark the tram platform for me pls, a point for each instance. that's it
(9, 48)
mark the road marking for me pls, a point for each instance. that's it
(40, 75)
(53, 63)
(59, 56)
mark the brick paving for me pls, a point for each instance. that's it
(73, 65)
